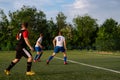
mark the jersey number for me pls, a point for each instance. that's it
(59, 38)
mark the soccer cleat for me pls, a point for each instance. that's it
(7, 72)
(47, 62)
(39, 60)
(65, 63)
(30, 73)
(34, 60)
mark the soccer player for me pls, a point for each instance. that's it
(21, 50)
(38, 48)
(59, 45)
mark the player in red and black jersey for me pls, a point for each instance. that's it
(21, 50)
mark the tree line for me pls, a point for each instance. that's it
(84, 33)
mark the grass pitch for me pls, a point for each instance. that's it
(56, 70)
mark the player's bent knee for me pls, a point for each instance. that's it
(30, 59)
(53, 54)
(16, 60)
(65, 54)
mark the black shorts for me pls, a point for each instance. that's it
(23, 52)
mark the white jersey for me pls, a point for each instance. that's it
(39, 40)
(59, 41)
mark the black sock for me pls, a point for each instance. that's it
(40, 55)
(29, 64)
(11, 66)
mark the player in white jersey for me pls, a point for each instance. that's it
(59, 45)
(38, 48)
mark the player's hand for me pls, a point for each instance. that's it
(54, 46)
(65, 48)
(31, 48)
(41, 47)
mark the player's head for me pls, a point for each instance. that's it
(59, 33)
(24, 24)
(41, 34)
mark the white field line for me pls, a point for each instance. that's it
(92, 66)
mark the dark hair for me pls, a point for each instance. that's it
(41, 34)
(25, 24)
(60, 33)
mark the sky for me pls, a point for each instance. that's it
(97, 9)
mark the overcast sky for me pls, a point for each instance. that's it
(98, 9)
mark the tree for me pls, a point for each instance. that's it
(5, 32)
(61, 20)
(49, 34)
(67, 32)
(25, 14)
(8, 29)
(108, 36)
(86, 28)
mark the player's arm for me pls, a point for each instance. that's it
(17, 37)
(65, 44)
(54, 42)
(28, 43)
(25, 36)
(39, 44)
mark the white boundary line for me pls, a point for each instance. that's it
(92, 66)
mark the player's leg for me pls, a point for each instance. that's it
(29, 57)
(51, 57)
(65, 57)
(37, 50)
(64, 54)
(39, 54)
(13, 63)
(56, 50)
(29, 65)
(38, 58)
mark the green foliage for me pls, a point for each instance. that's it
(5, 30)
(37, 24)
(108, 36)
(86, 28)
(36, 20)
(61, 20)
(84, 33)
(68, 33)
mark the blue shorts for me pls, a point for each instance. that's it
(38, 49)
(57, 49)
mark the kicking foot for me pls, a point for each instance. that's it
(7, 72)
(34, 60)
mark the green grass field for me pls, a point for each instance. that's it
(56, 70)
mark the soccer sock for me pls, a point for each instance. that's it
(35, 58)
(39, 56)
(10, 66)
(29, 64)
(65, 59)
(50, 58)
